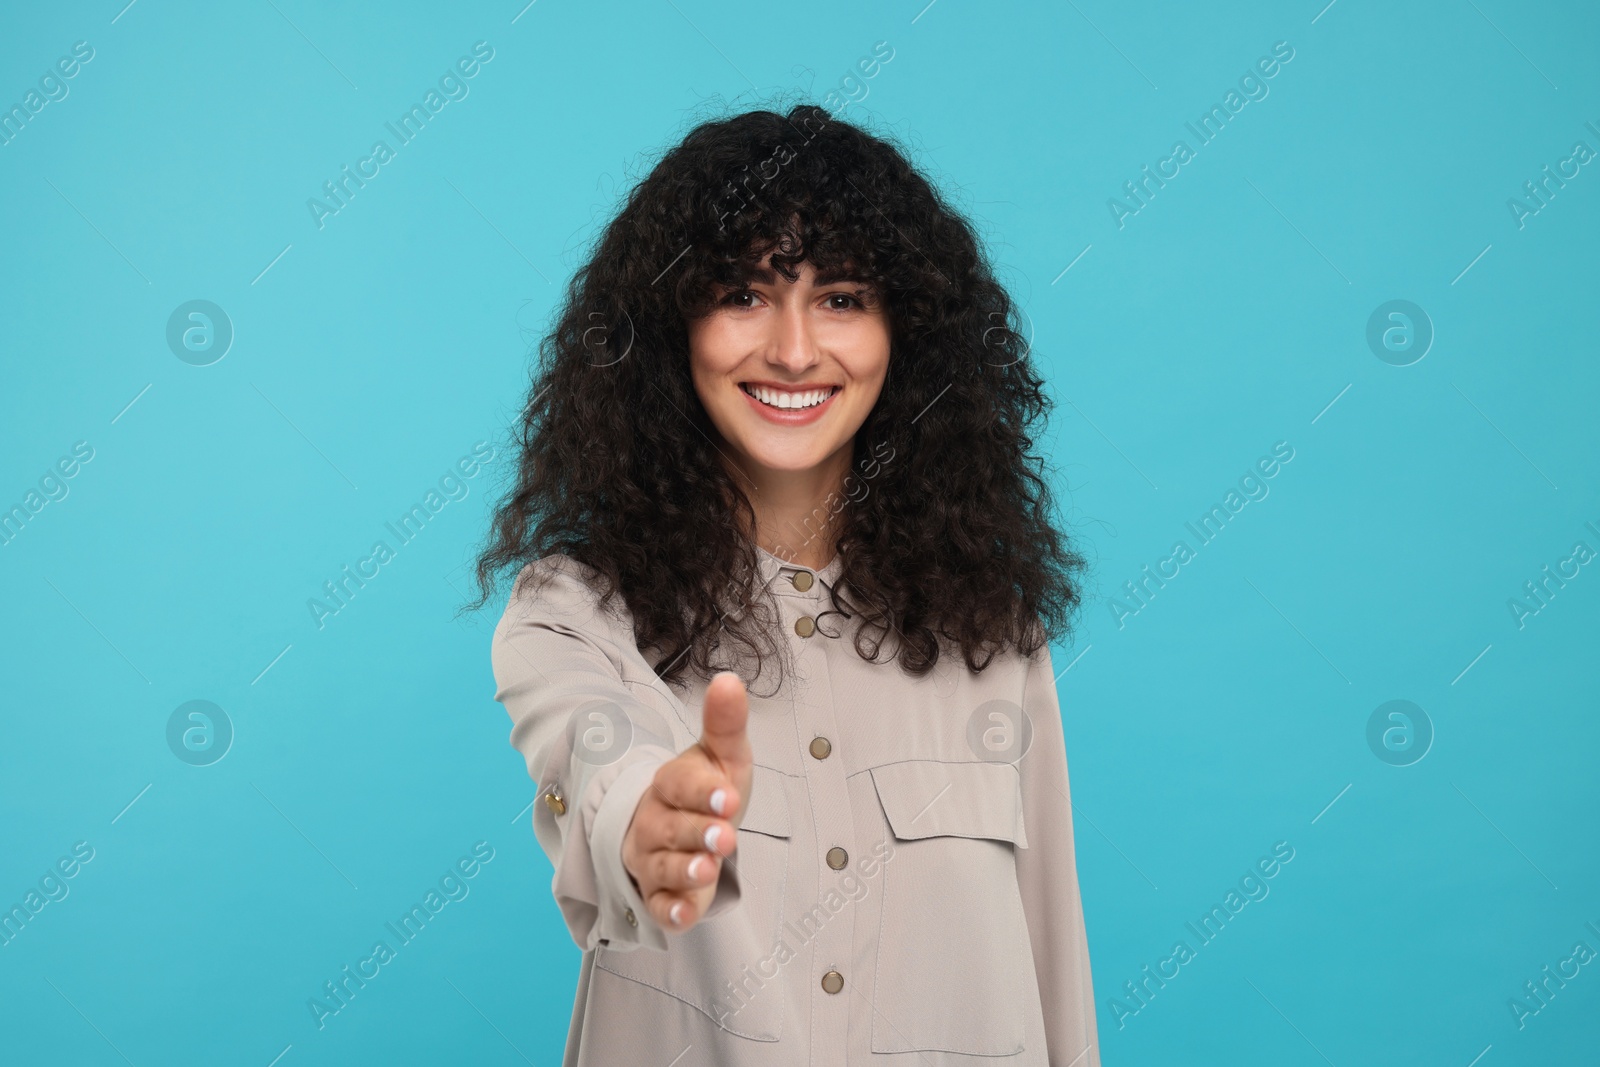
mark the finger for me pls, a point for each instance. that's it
(682, 871)
(685, 831)
(697, 785)
(675, 911)
(723, 721)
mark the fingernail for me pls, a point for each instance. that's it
(697, 867)
(712, 833)
(676, 914)
(719, 797)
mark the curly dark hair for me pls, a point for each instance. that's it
(950, 542)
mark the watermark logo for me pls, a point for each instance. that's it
(340, 191)
(1252, 887)
(1540, 190)
(999, 731)
(1252, 486)
(822, 516)
(53, 87)
(851, 90)
(1537, 994)
(199, 733)
(1205, 128)
(1539, 593)
(597, 339)
(1399, 333)
(1007, 340)
(851, 887)
(52, 486)
(453, 886)
(199, 333)
(51, 888)
(599, 732)
(1399, 733)
(340, 591)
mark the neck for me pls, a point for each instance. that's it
(797, 512)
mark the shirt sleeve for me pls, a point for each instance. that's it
(1047, 874)
(557, 664)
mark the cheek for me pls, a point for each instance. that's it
(873, 365)
(862, 407)
(702, 361)
(863, 348)
(714, 348)
(881, 343)
(709, 369)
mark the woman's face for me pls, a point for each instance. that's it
(768, 353)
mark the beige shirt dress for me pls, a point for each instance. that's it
(904, 890)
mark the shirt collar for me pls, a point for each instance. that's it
(778, 574)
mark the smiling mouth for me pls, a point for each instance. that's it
(782, 400)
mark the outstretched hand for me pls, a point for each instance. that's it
(685, 823)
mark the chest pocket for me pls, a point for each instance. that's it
(955, 966)
(728, 966)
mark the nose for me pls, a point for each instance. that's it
(792, 344)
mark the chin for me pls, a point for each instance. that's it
(786, 460)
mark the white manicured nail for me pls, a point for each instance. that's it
(676, 914)
(712, 833)
(697, 867)
(719, 797)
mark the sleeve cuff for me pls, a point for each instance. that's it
(624, 922)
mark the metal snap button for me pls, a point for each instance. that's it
(820, 747)
(632, 920)
(801, 580)
(832, 982)
(555, 802)
(805, 626)
(837, 858)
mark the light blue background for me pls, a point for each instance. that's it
(1228, 314)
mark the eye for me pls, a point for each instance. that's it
(851, 301)
(735, 298)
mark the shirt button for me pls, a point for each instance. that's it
(837, 858)
(554, 801)
(820, 747)
(632, 920)
(801, 580)
(832, 982)
(805, 626)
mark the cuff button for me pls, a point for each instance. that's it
(554, 801)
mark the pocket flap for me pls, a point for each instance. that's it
(929, 798)
(767, 811)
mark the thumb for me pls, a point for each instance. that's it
(723, 722)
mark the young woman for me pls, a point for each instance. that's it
(777, 653)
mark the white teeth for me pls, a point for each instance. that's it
(785, 400)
